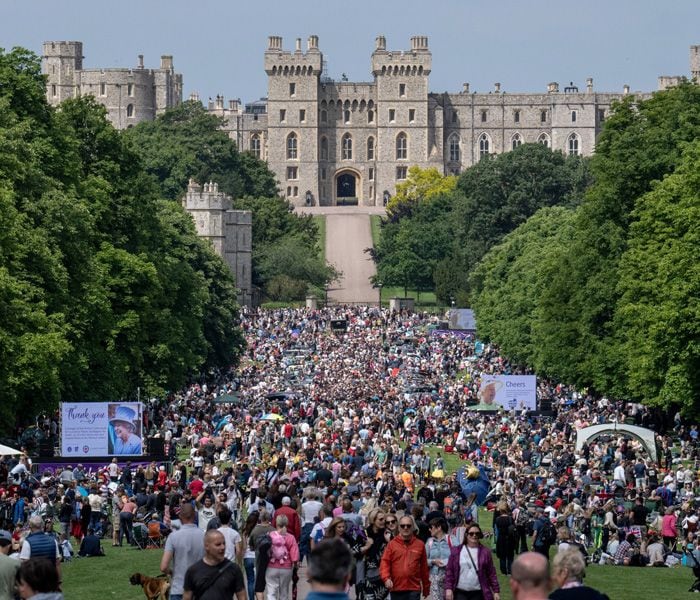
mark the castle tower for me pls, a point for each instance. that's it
(401, 80)
(292, 107)
(695, 63)
(60, 62)
(229, 231)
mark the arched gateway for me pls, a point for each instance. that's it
(645, 436)
(347, 187)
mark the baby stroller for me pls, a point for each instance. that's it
(694, 563)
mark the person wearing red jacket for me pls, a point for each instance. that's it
(294, 525)
(404, 565)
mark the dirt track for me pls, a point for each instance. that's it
(348, 234)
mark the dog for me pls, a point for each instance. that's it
(155, 588)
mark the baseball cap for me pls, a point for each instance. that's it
(5, 536)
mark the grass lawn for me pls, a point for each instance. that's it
(375, 224)
(320, 221)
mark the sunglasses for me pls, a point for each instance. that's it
(406, 526)
(390, 521)
(474, 533)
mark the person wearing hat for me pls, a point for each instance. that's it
(125, 440)
(8, 567)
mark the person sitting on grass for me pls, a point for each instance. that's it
(90, 546)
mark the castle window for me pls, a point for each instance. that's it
(370, 116)
(302, 116)
(370, 148)
(324, 116)
(324, 148)
(103, 89)
(292, 172)
(54, 91)
(53, 69)
(402, 90)
(601, 115)
(347, 147)
(401, 173)
(292, 146)
(255, 145)
(283, 115)
(129, 89)
(515, 141)
(401, 146)
(516, 116)
(392, 115)
(292, 89)
(411, 115)
(573, 144)
(454, 148)
(484, 145)
(129, 110)
(323, 173)
(573, 116)
(484, 115)
(370, 174)
(295, 191)
(543, 116)
(289, 191)
(454, 116)
(544, 140)
(346, 116)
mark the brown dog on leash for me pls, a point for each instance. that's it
(155, 588)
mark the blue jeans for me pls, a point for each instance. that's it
(249, 565)
(175, 596)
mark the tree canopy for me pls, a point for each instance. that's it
(104, 286)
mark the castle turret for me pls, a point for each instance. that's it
(695, 63)
(60, 62)
(292, 115)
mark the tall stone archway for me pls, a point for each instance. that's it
(348, 187)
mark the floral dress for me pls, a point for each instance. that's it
(372, 588)
(437, 550)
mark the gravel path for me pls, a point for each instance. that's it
(348, 234)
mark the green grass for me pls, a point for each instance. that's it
(375, 225)
(320, 221)
(108, 576)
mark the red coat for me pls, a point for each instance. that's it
(294, 525)
(406, 564)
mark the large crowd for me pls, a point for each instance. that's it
(346, 423)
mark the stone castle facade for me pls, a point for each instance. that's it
(129, 95)
(229, 231)
(333, 142)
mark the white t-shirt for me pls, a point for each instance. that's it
(309, 511)
(205, 515)
(468, 577)
(233, 538)
(26, 551)
(319, 529)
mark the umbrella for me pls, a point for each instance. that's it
(6, 450)
(271, 417)
(227, 399)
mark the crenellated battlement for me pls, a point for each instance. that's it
(298, 63)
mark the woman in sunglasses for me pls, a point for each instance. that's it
(471, 574)
(391, 524)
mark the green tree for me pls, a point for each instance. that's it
(421, 185)
(658, 311)
(187, 142)
(507, 284)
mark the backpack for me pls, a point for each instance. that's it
(523, 518)
(547, 534)
(278, 549)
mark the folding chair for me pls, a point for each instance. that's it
(155, 538)
(140, 536)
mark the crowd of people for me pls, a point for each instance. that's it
(343, 424)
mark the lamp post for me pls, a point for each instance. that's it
(325, 304)
(379, 287)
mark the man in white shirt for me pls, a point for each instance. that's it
(205, 510)
(231, 536)
(619, 474)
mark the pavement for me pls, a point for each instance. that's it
(348, 235)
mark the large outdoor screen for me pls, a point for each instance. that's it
(101, 429)
(512, 392)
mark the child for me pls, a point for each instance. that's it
(66, 548)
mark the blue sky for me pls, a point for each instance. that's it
(523, 44)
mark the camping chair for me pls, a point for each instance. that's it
(155, 537)
(140, 536)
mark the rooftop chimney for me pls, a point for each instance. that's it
(465, 88)
(166, 62)
(589, 85)
(140, 61)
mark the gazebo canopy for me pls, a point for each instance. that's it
(645, 436)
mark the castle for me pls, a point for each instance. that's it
(229, 231)
(129, 95)
(333, 142)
